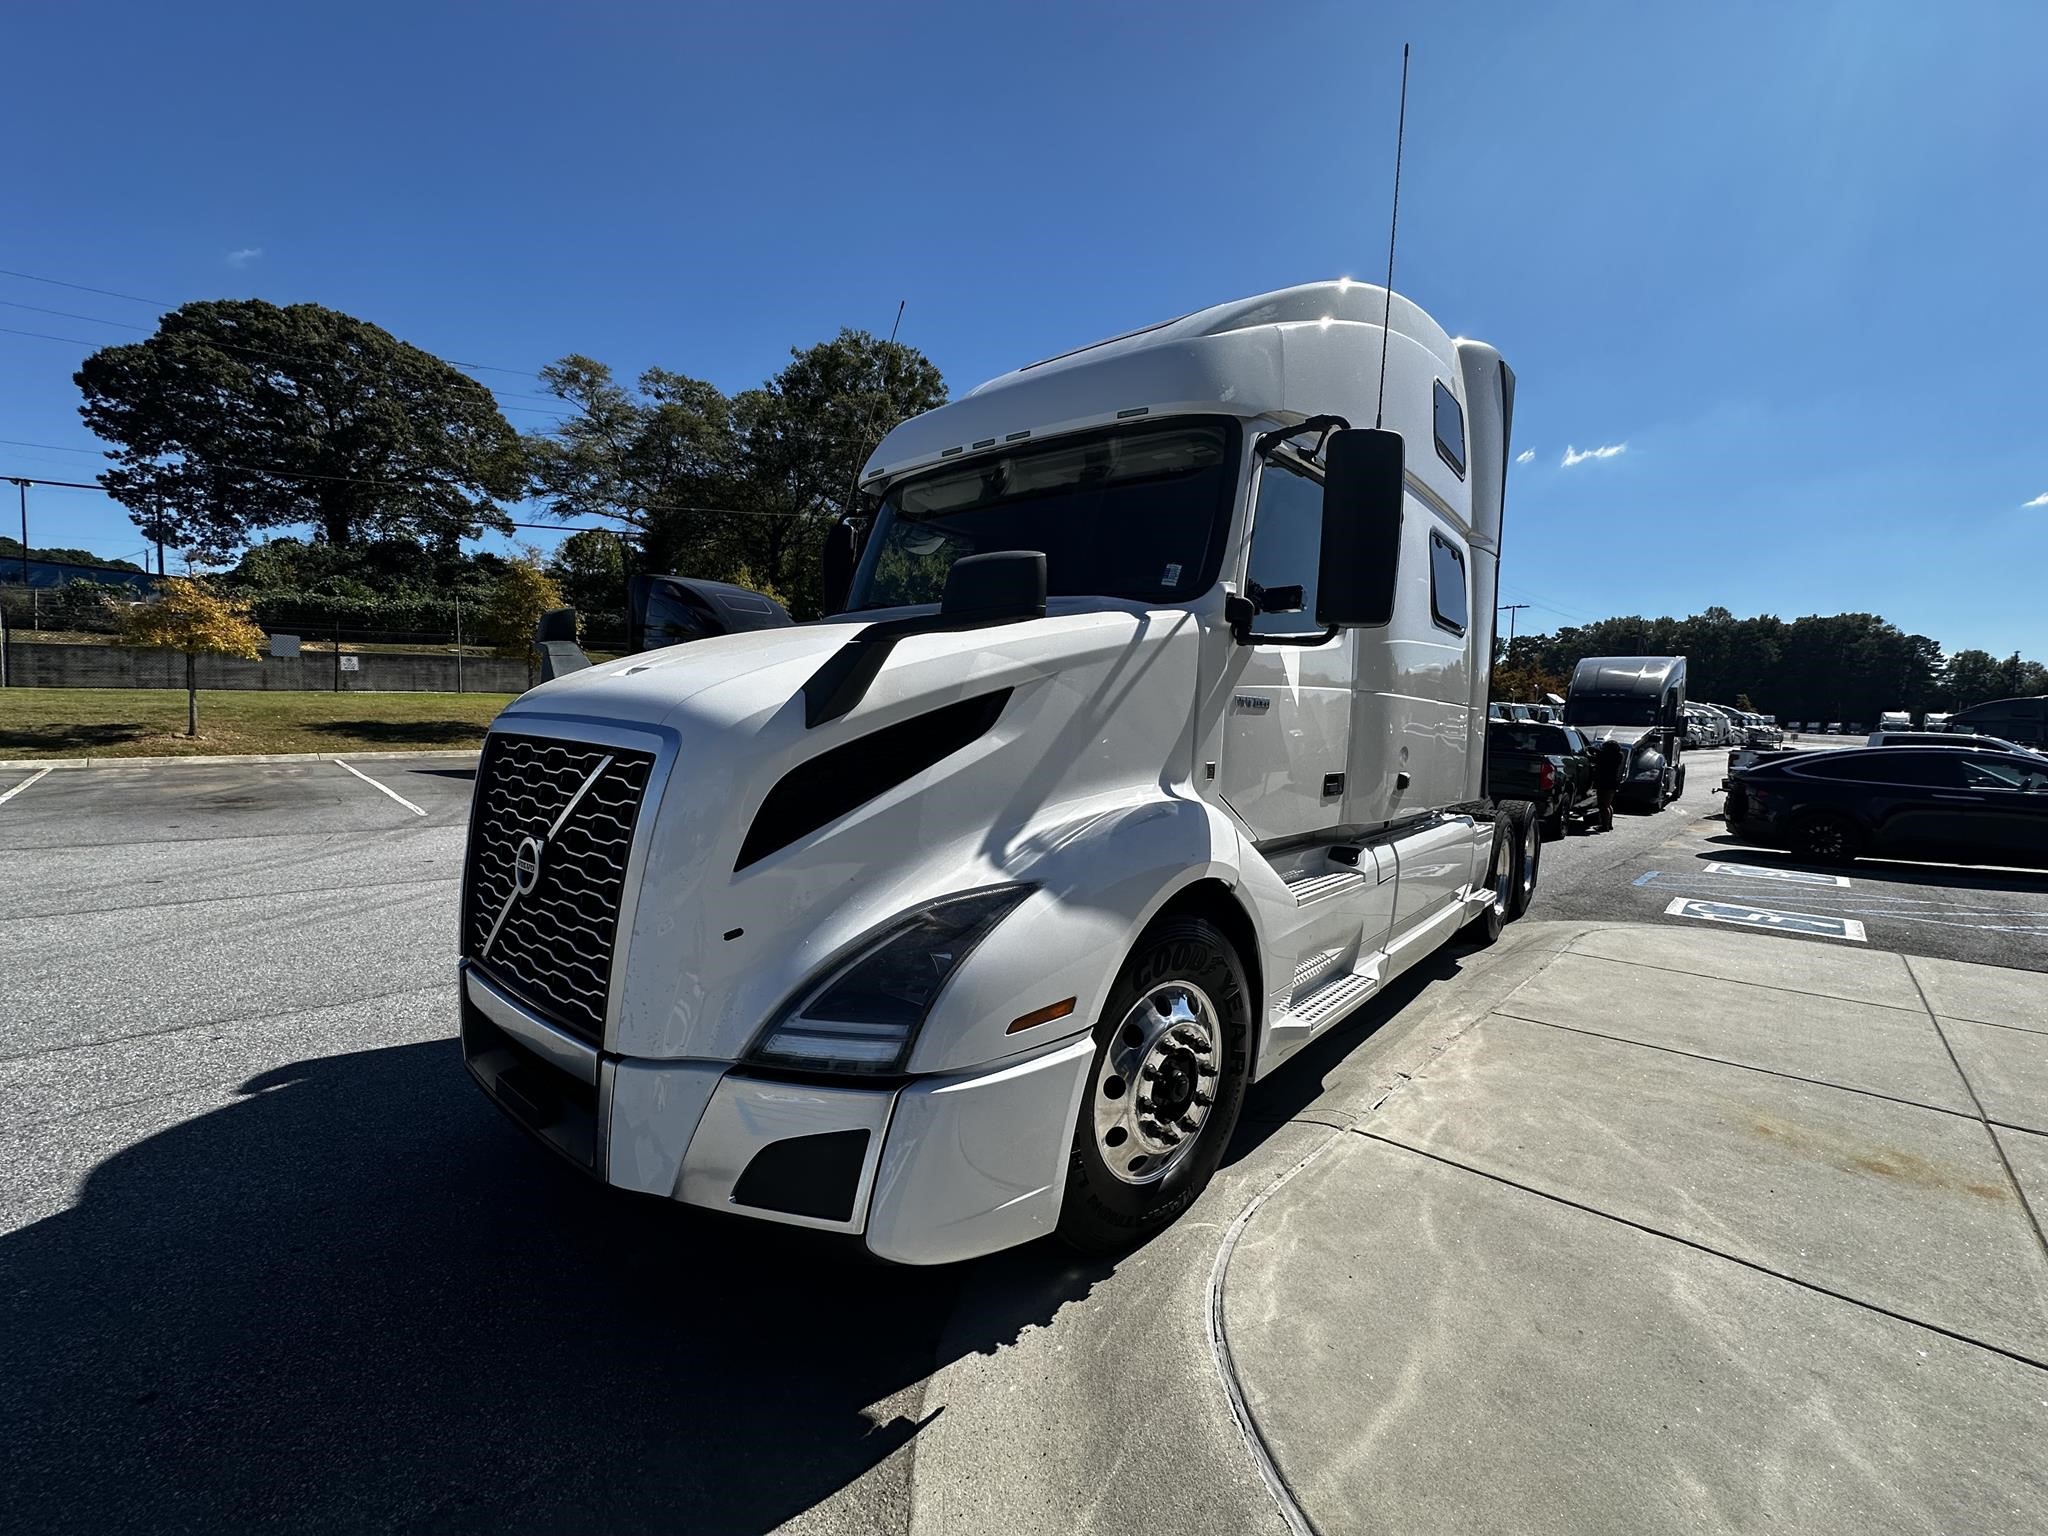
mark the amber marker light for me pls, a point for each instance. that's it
(1041, 1016)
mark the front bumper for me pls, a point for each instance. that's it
(926, 1171)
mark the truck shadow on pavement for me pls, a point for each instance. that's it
(357, 1299)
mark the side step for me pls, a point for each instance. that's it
(1309, 887)
(1331, 1000)
(1316, 967)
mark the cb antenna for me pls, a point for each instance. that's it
(1393, 228)
(867, 429)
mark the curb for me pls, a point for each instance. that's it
(32, 763)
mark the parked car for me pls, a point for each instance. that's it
(1834, 728)
(1932, 721)
(1946, 739)
(1954, 804)
(1550, 766)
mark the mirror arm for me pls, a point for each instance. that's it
(1322, 426)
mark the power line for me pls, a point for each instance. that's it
(524, 373)
(58, 282)
(254, 351)
(404, 485)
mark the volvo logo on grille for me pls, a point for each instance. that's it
(526, 857)
(526, 865)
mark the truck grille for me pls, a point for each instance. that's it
(552, 941)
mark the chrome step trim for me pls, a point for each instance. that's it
(1309, 888)
(1332, 998)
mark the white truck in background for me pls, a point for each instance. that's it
(1150, 744)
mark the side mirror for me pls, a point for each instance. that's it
(841, 555)
(1362, 501)
(1007, 584)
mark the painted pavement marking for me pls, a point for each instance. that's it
(1813, 924)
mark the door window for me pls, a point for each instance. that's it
(1888, 765)
(2000, 773)
(1287, 544)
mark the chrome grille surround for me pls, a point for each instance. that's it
(554, 943)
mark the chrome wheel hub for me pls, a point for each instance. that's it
(1156, 1084)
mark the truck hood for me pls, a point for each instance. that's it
(1079, 708)
(1630, 736)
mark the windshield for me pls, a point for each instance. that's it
(1137, 513)
(1611, 709)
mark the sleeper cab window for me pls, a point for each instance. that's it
(1447, 601)
(1450, 429)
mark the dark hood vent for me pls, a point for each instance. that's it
(845, 778)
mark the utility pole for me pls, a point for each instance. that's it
(22, 486)
(458, 640)
(337, 653)
(1511, 609)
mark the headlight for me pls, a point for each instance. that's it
(864, 1013)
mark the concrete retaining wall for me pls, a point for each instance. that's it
(118, 666)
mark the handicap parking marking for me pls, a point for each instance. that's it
(1813, 924)
(1791, 876)
(24, 784)
(384, 788)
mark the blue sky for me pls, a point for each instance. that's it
(1789, 256)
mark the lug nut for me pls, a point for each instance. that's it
(1188, 1123)
(1204, 1100)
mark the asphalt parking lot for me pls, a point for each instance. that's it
(266, 1256)
(1685, 856)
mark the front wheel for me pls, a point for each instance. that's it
(1172, 1060)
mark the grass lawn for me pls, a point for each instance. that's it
(150, 722)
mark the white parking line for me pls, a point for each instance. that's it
(24, 784)
(385, 788)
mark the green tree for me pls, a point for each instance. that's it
(186, 615)
(1972, 677)
(512, 608)
(591, 570)
(714, 486)
(239, 416)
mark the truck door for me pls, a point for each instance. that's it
(1287, 726)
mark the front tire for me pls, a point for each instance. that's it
(1172, 1062)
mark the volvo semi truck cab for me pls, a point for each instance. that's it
(1149, 744)
(1638, 701)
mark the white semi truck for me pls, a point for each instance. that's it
(1148, 745)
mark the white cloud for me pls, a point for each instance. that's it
(244, 256)
(1579, 456)
(2039, 501)
(1525, 455)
